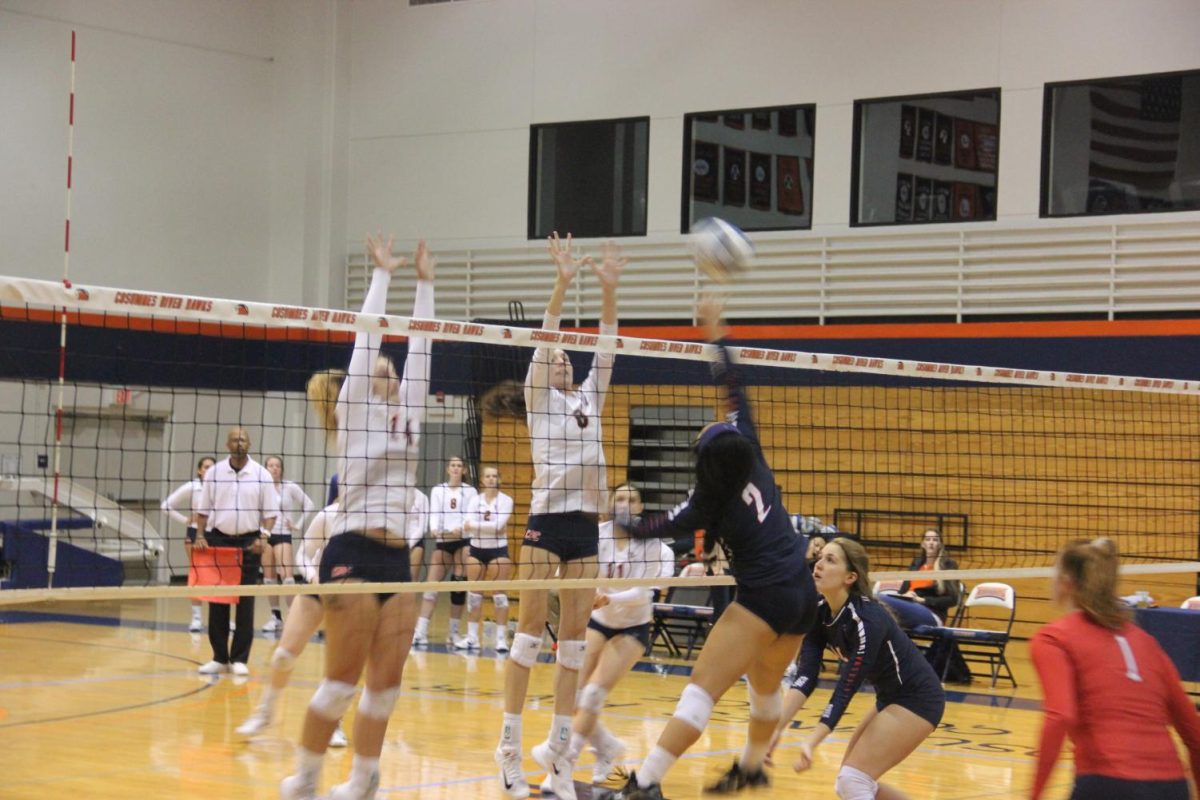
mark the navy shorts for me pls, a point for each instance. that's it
(570, 536)
(639, 632)
(486, 555)
(789, 608)
(279, 538)
(453, 546)
(352, 556)
(191, 535)
(1102, 787)
(928, 702)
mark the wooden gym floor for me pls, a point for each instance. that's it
(105, 702)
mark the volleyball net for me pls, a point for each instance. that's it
(1006, 464)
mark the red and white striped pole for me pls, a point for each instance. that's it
(52, 555)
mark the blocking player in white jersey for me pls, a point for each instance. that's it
(569, 492)
(447, 508)
(618, 632)
(486, 522)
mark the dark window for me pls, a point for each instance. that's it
(926, 159)
(588, 178)
(1121, 145)
(752, 167)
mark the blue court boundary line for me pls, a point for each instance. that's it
(16, 617)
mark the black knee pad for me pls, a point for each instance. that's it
(458, 598)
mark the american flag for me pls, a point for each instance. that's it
(1135, 134)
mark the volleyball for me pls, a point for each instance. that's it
(720, 250)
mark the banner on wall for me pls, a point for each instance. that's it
(904, 197)
(925, 124)
(943, 147)
(965, 201)
(760, 120)
(964, 144)
(760, 181)
(923, 200)
(791, 192)
(735, 177)
(987, 146)
(908, 131)
(787, 122)
(705, 172)
(943, 198)
(736, 121)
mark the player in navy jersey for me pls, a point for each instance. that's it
(736, 502)
(865, 637)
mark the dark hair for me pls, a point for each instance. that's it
(724, 466)
(200, 463)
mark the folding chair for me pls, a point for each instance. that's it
(993, 605)
(688, 613)
(886, 587)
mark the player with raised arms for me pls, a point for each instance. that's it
(375, 417)
(562, 534)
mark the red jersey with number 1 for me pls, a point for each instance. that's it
(1115, 693)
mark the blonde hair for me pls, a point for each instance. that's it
(857, 562)
(1092, 565)
(323, 390)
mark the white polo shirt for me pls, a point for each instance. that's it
(238, 501)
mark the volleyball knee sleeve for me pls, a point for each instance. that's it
(474, 601)
(695, 707)
(591, 698)
(283, 660)
(854, 784)
(500, 600)
(331, 699)
(458, 598)
(378, 703)
(765, 707)
(570, 653)
(525, 649)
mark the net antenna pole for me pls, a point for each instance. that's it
(52, 553)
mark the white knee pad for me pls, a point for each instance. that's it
(525, 649)
(695, 707)
(474, 601)
(270, 581)
(289, 581)
(282, 660)
(500, 600)
(570, 653)
(430, 597)
(332, 698)
(378, 703)
(765, 707)
(854, 784)
(592, 697)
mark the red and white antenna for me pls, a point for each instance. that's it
(52, 555)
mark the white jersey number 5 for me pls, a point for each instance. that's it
(751, 496)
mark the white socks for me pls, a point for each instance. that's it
(655, 767)
(510, 734)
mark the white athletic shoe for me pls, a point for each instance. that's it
(296, 787)
(420, 640)
(338, 738)
(512, 778)
(466, 643)
(608, 754)
(345, 791)
(196, 625)
(238, 668)
(212, 668)
(559, 769)
(272, 625)
(547, 786)
(258, 722)
(501, 641)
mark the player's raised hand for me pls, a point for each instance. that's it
(381, 252)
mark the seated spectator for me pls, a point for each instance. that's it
(939, 596)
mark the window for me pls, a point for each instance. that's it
(752, 167)
(588, 178)
(1121, 145)
(925, 159)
